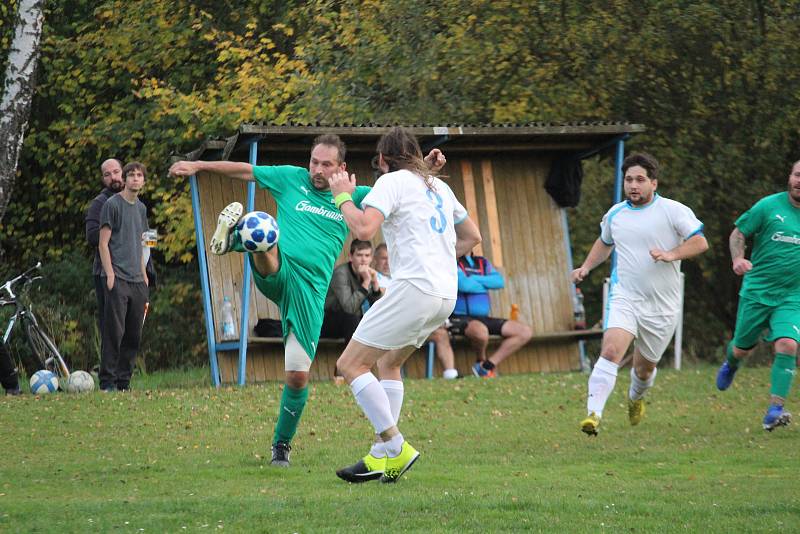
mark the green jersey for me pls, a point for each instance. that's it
(774, 224)
(312, 234)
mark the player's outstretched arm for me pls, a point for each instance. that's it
(467, 236)
(435, 160)
(690, 248)
(737, 243)
(597, 255)
(363, 224)
(231, 169)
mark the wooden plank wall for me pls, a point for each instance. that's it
(522, 227)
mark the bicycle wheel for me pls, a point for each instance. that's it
(44, 350)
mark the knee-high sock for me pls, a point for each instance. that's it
(638, 386)
(394, 390)
(783, 369)
(373, 401)
(601, 384)
(292, 403)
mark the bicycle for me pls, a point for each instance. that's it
(45, 352)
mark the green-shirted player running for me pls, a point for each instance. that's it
(770, 295)
(294, 274)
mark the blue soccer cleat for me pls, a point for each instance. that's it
(776, 417)
(725, 376)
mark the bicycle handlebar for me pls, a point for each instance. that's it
(25, 277)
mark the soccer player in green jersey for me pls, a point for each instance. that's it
(295, 273)
(770, 295)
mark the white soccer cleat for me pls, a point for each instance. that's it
(228, 217)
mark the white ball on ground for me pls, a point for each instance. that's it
(80, 382)
(44, 382)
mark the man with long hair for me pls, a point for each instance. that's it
(425, 228)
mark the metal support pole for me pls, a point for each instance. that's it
(679, 331)
(204, 285)
(244, 323)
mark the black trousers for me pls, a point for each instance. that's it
(8, 371)
(100, 292)
(122, 331)
(339, 324)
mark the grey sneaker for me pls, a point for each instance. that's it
(228, 217)
(280, 454)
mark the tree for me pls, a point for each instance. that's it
(18, 92)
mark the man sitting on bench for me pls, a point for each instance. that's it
(476, 276)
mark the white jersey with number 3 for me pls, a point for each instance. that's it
(419, 229)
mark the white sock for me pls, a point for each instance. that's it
(449, 374)
(394, 445)
(373, 400)
(601, 384)
(394, 390)
(378, 450)
(638, 386)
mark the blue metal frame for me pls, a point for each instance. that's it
(246, 276)
(201, 254)
(619, 157)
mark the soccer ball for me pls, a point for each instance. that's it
(43, 382)
(258, 230)
(80, 382)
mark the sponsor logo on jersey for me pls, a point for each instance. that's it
(304, 190)
(793, 239)
(781, 218)
(796, 329)
(304, 205)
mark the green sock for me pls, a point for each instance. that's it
(783, 369)
(292, 403)
(733, 361)
(236, 244)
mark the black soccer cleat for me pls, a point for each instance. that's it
(280, 454)
(368, 468)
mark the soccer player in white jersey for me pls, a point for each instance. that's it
(426, 229)
(651, 235)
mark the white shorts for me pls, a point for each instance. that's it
(403, 316)
(653, 332)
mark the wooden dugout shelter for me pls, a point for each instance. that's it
(498, 172)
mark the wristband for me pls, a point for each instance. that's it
(341, 198)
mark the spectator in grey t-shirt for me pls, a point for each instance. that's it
(123, 220)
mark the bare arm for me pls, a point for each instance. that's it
(690, 248)
(363, 224)
(231, 169)
(737, 244)
(597, 255)
(467, 237)
(105, 255)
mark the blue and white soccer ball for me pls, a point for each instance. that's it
(258, 230)
(44, 382)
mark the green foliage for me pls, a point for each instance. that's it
(496, 456)
(713, 82)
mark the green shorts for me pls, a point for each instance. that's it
(301, 302)
(753, 318)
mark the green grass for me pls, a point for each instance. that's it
(497, 455)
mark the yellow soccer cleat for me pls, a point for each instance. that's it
(401, 463)
(228, 217)
(590, 424)
(368, 468)
(635, 411)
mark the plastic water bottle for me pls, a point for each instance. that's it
(228, 331)
(580, 311)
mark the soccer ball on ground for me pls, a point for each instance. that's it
(80, 382)
(44, 382)
(258, 230)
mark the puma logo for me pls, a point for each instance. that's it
(782, 218)
(293, 414)
(303, 189)
(796, 329)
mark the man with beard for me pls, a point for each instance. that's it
(770, 294)
(111, 176)
(651, 235)
(295, 273)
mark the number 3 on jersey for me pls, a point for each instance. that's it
(438, 226)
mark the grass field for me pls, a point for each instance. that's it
(497, 455)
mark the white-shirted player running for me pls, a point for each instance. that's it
(426, 229)
(651, 235)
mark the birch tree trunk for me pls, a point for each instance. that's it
(18, 89)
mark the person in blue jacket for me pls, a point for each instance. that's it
(476, 276)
